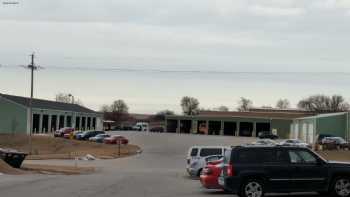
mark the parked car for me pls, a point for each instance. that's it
(321, 136)
(71, 135)
(99, 138)
(126, 128)
(141, 126)
(76, 133)
(114, 140)
(295, 142)
(264, 142)
(267, 135)
(157, 129)
(254, 171)
(196, 157)
(337, 142)
(68, 135)
(211, 172)
(87, 134)
(62, 131)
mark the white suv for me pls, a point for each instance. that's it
(197, 156)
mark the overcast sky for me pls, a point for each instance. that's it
(221, 35)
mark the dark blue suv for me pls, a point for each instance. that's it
(252, 171)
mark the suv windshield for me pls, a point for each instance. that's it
(194, 152)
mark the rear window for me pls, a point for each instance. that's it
(273, 156)
(247, 156)
(194, 152)
(210, 151)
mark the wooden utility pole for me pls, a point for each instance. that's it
(32, 67)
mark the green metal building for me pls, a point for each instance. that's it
(48, 116)
(308, 128)
(293, 124)
(236, 123)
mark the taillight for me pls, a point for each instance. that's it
(207, 171)
(230, 170)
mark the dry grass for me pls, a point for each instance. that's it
(46, 147)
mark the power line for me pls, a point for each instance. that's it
(150, 70)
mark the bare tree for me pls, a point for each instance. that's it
(323, 103)
(283, 104)
(244, 104)
(190, 105)
(105, 108)
(119, 106)
(67, 98)
(161, 115)
(63, 97)
(222, 108)
(117, 111)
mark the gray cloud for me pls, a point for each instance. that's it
(261, 34)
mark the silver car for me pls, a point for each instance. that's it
(198, 156)
(295, 142)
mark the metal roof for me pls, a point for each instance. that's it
(47, 104)
(323, 115)
(234, 114)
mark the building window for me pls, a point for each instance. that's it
(88, 123)
(77, 123)
(94, 123)
(61, 123)
(69, 121)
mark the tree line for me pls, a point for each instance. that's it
(118, 110)
(318, 103)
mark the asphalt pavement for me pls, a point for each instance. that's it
(159, 171)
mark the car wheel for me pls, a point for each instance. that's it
(341, 187)
(252, 188)
(323, 193)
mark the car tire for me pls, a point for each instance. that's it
(341, 187)
(323, 194)
(252, 186)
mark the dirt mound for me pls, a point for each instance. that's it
(7, 169)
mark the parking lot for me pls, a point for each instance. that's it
(158, 171)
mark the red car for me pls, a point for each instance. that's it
(210, 174)
(114, 140)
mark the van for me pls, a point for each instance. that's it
(196, 157)
(141, 126)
